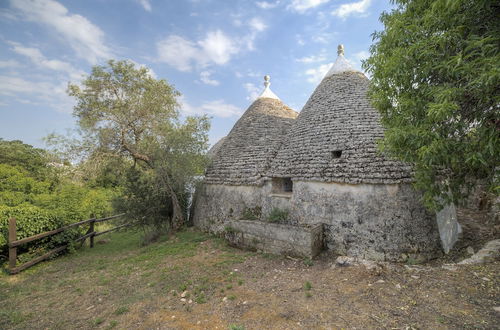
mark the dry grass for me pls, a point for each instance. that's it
(125, 286)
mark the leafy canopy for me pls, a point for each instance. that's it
(436, 82)
(123, 111)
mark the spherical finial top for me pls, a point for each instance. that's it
(340, 50)
(266, 80)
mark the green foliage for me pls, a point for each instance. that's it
(307, 286)
(18, 154)
(278, 215)
(41, 200)
(252, 213)
(32, 220)
(435, 81)
(124, 112)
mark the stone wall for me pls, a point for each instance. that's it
(295, 241)
(377, 222)
(370, 221)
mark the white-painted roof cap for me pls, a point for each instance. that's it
(341, 64)
(267, 91)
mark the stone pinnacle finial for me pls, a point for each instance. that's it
(267, 91)
(340, 50)
(267, 83)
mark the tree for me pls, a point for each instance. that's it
(122, 110)
(17, 153)
(436, 82)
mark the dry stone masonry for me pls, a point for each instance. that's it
(321, 168)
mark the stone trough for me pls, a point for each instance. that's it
(295, 241)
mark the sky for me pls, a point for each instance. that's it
(215, 52)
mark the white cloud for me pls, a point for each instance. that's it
(206, 79)
(316, 74)
(178, 52)
(303, 5)
(24, 91)
(216, 48)
(36, 56)
(257, 24)
(86, 39)
(312, 59)
(362, 55)
(253, 91)
(267, 4)
(217, 108)
(348, 9)
(10, 64)
(146, 4)
(183, 54)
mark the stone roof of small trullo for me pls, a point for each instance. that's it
(215, 148)
(244, 156)
(338, 116)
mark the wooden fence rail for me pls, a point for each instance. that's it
(14, 242)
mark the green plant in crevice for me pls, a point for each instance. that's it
(278, 215)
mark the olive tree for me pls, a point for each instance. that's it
(436, 82)
(123, 111)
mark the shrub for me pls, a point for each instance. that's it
(278, 215)
(32, 220)
(252, 213)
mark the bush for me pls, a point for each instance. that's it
(278, 215)
(32, 220)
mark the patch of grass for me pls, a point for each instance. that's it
(200, 299)
(98, 321)
(112, 324)
(253, 213)
(231, 297)
(307, 286)
(13, 317)
(240, 282)
(308, 262)
(236, 327)
(121, 310)
(308, 294)
(278, 215)
(229, 287)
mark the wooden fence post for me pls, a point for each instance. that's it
(12, 238)
(92, 230)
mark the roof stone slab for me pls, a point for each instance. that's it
(244, 156)
(338, 117)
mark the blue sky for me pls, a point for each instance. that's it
(215, 52)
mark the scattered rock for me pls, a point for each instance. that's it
(173, 317)
(415, 277)
(470, 250)
(90, 307)
(380, 281)
(486, 279)
(224, 299)
(488, 253)
(450, 267)
(398, 286)
(190, 301)
(496, 309)
(183, 299)
(344, 261)
(183, 295)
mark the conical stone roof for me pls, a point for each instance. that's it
(244, 156)
(334, 137)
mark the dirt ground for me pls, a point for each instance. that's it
(197, 282)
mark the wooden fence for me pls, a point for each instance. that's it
(14, 242)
